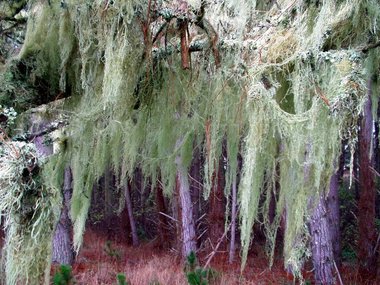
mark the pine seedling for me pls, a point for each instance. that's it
(63, 276)
(121, 279)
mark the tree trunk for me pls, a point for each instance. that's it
(187, 221)
(162, 223)
(367, 198)
(233, 221)
(128, 204)
(321, 244)
(376, 142)
(62, 250)
(108, 201)
(62, 242)
(196, 185)
(217, 208)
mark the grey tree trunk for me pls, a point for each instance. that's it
(62, 242)
(233, 221)
(321, 244)
(128, 202)
(187, 221)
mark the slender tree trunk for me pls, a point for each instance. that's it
(217, 207)
(162, 223)
(367, 198)
(196, 184)
(233, 221)
(128, 204)
(62, 242)
(187, 221)
(177, 213)
(321, 244)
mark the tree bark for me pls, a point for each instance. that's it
(196, 186)
(187, 221)
(367, 197)
(128, 202)
(162, 223)
(62, 242)
(233, 221)
(321, 244)
(376, 142)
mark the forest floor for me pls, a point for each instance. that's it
(99, 261)
(146, 265)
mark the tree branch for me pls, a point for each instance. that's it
(371, 46)
(50, 128)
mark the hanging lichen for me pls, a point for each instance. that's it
(285, 80)
(30, 211)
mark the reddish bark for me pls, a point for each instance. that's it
(185, 55)
(367, 199)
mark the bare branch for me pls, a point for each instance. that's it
(371, 46)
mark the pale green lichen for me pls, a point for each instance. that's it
(286, 92)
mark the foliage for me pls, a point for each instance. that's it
(121, 279)
(8, 116)
(63, 276)
(17, 87)
(197, 275)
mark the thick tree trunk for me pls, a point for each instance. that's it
(62, 242)
(321, 244)
(128, 204)
(217, 208)
(333, 215)
(62, 251)
(187, 221)
(233, 221)
(367, 199)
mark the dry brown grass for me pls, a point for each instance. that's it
(145, 265)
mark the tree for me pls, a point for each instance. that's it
(146, 77)
(62, 241)
(366, 207)
(187, 227)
